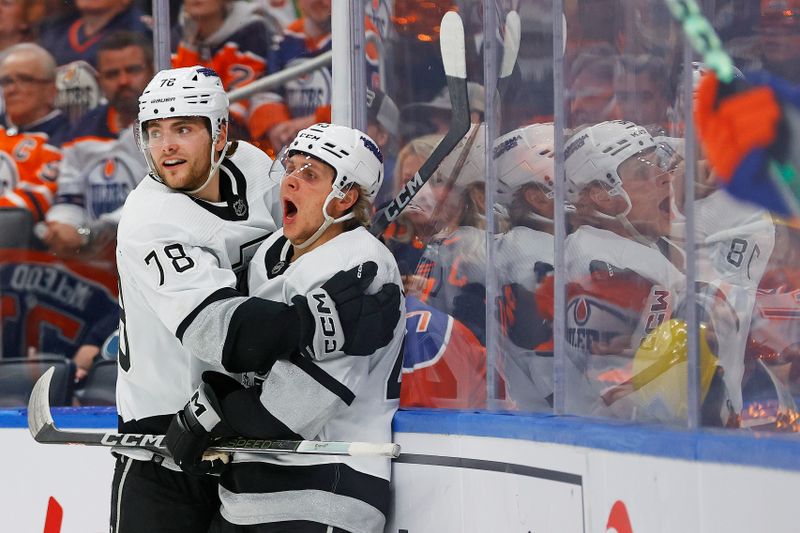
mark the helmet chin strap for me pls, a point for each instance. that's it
(533, 216)
(635, 233)
(622, 218)
(329, 220)
(212, 169)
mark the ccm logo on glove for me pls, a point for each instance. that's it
(326, 322)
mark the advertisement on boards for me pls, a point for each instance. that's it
(52, 488)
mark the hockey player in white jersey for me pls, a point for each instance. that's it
(185, 238)
(620, 285)
(524, 163)
(328, 391)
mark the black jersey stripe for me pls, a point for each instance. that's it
(215, 296)
(323, 378)
(152, 425)
(338, 478)
(236, 205)
(245, 414)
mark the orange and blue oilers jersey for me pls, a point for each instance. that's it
(616, 288)
(29, 164)
(237, 51)
(68, 40)
(444, 364)
(309, 94)
(451, 275)
(100, 166)
(50, 304)
(238, 61)
(606, 305)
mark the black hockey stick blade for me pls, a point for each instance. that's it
(451, 40)
(44, 430)
(511, 40)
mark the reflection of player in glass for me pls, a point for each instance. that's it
(525, 180)
(450, 275)
(407, 235)
(620, 284)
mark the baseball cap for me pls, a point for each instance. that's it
(441, 102)
(382, 110)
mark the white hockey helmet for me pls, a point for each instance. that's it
(594, 154)
(184, 92)
(525, 156)
(355, 158)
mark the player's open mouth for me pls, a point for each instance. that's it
(289, 210)
(169, 163)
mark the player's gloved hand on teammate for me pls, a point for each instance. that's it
(340, 317)
(200, 421)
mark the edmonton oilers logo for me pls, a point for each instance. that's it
(581, 312)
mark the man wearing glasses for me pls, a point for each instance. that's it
(31, 130)
(101, 162)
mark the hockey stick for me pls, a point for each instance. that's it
(642, 378)
(705, 41)
(511, 39)
(44, 430)
(455, 68)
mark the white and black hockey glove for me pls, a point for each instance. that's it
(340, 317)
(200, 421)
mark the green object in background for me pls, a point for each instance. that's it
(706, 42)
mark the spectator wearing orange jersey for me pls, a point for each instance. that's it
(31, 130)
(232, 37)
(277, 117)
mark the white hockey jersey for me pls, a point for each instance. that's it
(328, 397)
(524, 256)
(176, 255)
(735, 242)
(618, 291)
(97, 172)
